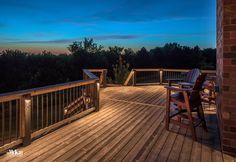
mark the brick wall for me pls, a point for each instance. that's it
(226, 72)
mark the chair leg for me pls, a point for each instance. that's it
(201, 112)
(194, 136)
(168, 110)
(167, 122)
(167, 117)
(191, 124)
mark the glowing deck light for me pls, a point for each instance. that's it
(65, 111)
(15, 152)
(27, 103)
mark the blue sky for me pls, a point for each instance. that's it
(52, 25)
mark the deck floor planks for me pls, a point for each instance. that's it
(153, 92)
(94, 133)
(197, 146)
(185, 154)
(167, 147)
(156, 149)
(138, 141)
(206, 149)
(88, 121)
(78, 132)
(62, 139)
(140, 93)
(126, 135)
(151, 99)
(177, 146)
(122, 129)
(143, 153)
(160, 100)
(104, 140)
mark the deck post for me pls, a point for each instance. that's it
(161, 76)
(104, 78)
(134, 78)
(25, 119)
(97, 96)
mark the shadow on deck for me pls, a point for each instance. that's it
(128, 127)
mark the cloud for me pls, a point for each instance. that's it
(65, 41)
(44, 34)
(58, 41)
(130, 11)
(201, 34)
(112, 37)
(154, 10)
(119, 37)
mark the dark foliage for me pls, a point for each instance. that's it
(21, 70)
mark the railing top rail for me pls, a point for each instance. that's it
(148, 69)
(90, 74)
(160, 70)
(47, 89)
(209, 71)
(172, 70)
(177, 70)
(97, 70)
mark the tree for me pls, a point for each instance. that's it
(87, 45)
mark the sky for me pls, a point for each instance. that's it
(37, 25)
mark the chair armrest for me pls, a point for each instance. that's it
(171, 80)
(176, 89)
(186, 84)
(174, 79)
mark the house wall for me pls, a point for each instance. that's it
(226, 73)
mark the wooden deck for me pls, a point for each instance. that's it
(129, 127)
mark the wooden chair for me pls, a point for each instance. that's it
(190, 78)
(181, 105)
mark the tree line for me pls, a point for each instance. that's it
(21, 70)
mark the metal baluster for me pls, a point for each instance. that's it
(77, 88)
(32, 114)
(60, 107)
(55, 114)
(10, 119)
(70, 95)
(74, 93)
(47, 110)
(17, 112)
(37, 106)
(67, 97)
(63, 103)
(42, 111)
(3, 122)
(51, 109)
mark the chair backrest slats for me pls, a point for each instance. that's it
(192, 75)
(194, 96)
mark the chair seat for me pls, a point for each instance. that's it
(178, 99)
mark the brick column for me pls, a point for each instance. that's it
(226, 73)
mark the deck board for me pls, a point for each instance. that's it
(129, 127)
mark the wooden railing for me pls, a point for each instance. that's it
(157, 76)
(102, 75)
(28, 114)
